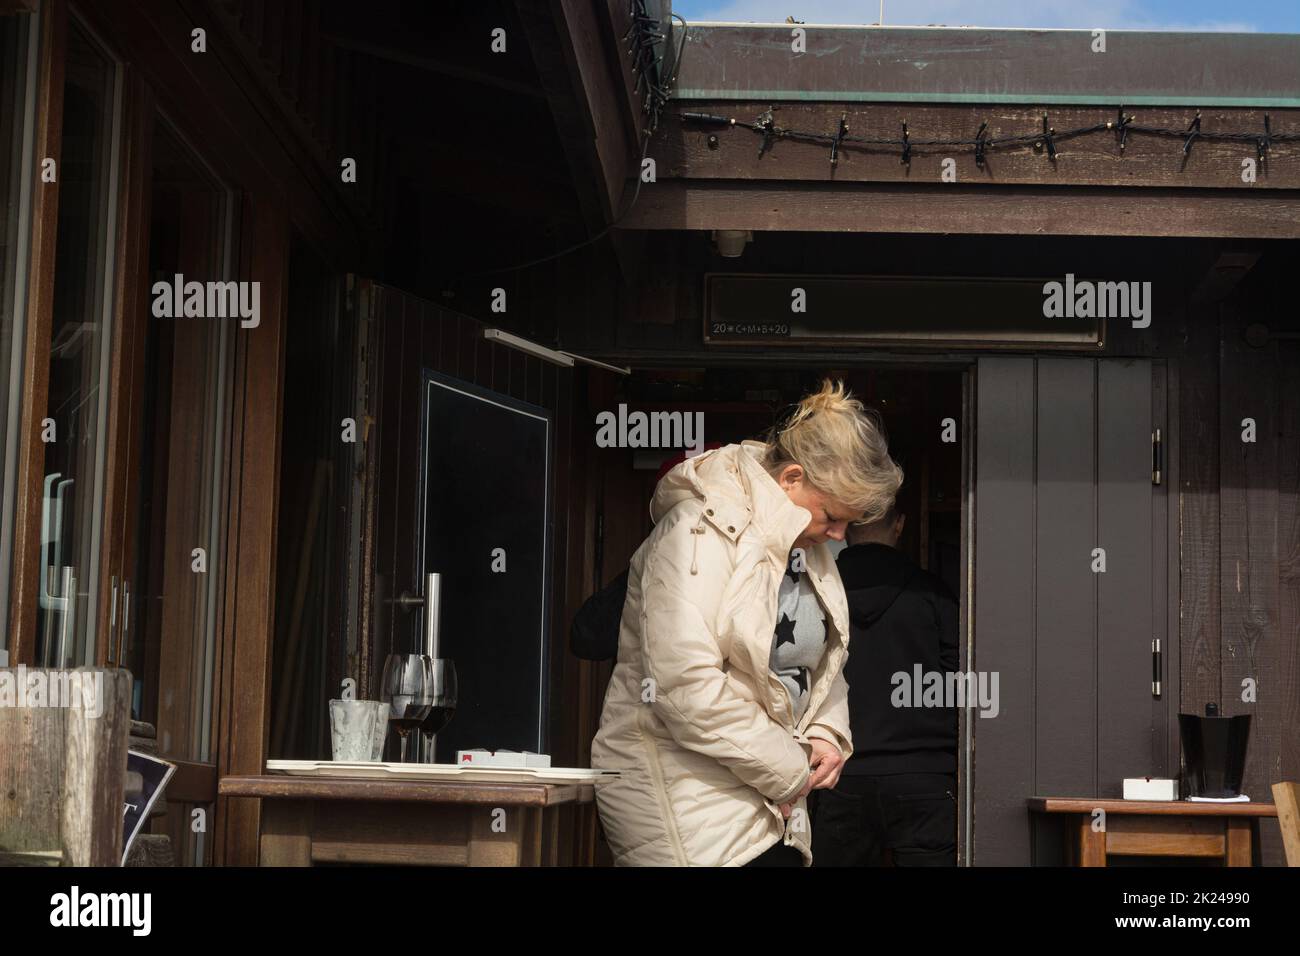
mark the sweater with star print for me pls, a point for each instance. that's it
(800, 638)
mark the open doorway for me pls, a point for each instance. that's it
(924, 409)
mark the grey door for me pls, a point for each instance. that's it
(1064, 466)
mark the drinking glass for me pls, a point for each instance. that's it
(444, 703)
(353, 726)
(408, 690)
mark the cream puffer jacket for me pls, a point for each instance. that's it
(701, 729)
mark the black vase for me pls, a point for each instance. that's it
(1214, 754)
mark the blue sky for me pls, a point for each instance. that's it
(1263, 16)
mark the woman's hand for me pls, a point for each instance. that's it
(826, 762)
(788, 808)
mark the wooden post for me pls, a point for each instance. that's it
(63, 763)
(1286, 797)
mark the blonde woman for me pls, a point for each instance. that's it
(727, 705)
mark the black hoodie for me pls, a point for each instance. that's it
(899, 616)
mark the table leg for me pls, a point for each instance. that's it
(487, 846)
(533, 835)
(1091, 843)
(286, 833)
(548, 821)
(1238, 842)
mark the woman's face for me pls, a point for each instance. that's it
(830, 518)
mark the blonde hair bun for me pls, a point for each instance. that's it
(842, 448)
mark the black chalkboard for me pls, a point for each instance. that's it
(485, 467)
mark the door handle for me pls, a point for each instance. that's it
(63, 601)
(126, 620)
(67, 621)
(112, 621)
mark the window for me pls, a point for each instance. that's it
(17, 117)
(176, 581)
(77, 406)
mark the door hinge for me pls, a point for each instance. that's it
(1157, 457)
(1155, 667)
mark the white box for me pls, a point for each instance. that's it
(1150, 788)
(479, 757)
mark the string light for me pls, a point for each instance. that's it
(982, 144)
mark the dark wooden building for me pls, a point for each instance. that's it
(399, 179)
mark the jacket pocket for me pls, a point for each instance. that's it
(935, 795)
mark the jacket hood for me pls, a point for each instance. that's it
(735, 484)
(875, 575)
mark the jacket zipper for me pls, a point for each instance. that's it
(661, 789)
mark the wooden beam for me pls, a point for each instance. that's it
(581, 77)
(422, 60)
(450, 40)
(683, 149)
(966, 210)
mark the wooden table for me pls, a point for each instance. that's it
(308, 820)
(1157, 828)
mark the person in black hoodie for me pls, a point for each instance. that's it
(897, 792)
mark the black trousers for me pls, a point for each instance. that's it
(778, 854)
(912, 815)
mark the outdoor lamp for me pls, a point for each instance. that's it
(731, 243)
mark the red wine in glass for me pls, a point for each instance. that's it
(444, 702)
(439, 717)
(408, 688)
(404, 725)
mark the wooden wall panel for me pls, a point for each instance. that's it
(1004, 606)
(1064, 652)
(404, 482)
(1130, 591)
(388, 344)
(1065, 532)
(1198, 504)
(468, 331)
(1287, 665)
(1253, 645)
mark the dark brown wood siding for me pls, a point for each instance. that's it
(413, 335)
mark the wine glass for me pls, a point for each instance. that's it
(444, 703)
(408, 689)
